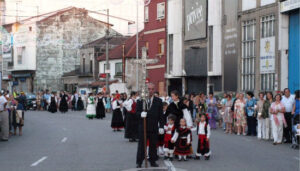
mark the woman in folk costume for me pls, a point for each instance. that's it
(91, 107)
(80, 104)
(100, 110)
(278, 121)
(183, 139)
(203, 131)
(132, 121)
(179, 109)
(53, 104)
(117, 122)
(63, 106)
(212, 110)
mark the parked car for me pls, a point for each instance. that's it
(31, 101)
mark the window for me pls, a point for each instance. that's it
(91, 63)
(161, 46)
(147, 45)
(146, 14)
(267, 80)
(160, 11)
(20, 54)
(83, 64)
(118, 69)
(248, 55)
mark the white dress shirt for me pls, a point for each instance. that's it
(288, 103)
(201, 130)
(2, 102)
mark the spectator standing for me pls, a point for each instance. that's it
(288, 101)
(4, 118)
(260, 120)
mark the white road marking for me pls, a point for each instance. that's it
(170, 165)
(39, 161)
(64, 139)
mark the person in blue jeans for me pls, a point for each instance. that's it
(250, 113)
(296, 108)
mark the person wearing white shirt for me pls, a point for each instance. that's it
(203, 131)
(4, 118)
(288, 101)
(132, 120)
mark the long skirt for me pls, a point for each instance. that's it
(203, 146)
(131, 128)
(167, 142)
(63, 106)
(117, 119)
(53, 107)
(213, 113)
(91, 111)
(182, 148)
(100, 111)
(80, 105)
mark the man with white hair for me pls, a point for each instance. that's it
(4, 118)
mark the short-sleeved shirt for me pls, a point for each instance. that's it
(288, 103)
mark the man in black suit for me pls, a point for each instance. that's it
(154, 115)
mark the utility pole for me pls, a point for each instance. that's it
(107, 69)
(137, 44)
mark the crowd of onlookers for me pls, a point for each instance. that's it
(12, 109)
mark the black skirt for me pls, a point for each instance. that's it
(131, 129)
(100, 110)
(80, 105)
(63, 106)
(52, 108)
(117, 119)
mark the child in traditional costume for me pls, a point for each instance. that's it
(182, 137)
(169, 132)
(161, 135)
(203, 131)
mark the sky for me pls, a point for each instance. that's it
(121, 8)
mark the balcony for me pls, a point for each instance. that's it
(81, 73)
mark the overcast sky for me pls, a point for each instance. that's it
(121, 8)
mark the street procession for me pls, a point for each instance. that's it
(134, 85)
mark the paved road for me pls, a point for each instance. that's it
(70, 142)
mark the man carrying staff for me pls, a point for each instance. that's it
(153, 115)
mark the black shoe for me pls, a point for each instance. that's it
(171, 158)
(138, 166)
(185, 159)
(179, 159)
(166, 158)
(206, 157)
(4, 139)
(153, 164)
(130, 140)
(197, 158)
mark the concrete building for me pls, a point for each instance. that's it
(289, 40)
(260, 46)
(47, 46)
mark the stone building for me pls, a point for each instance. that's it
(47, 46)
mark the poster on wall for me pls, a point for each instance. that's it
(267, 55)
(195, 19)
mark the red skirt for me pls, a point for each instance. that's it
(203, 145)
(182, 148)
(167, 140)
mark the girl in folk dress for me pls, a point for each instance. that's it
(203, 131)
(169, 132)
(183, 139)
(278, 121)
(117, 122)
(228, 114)
(91, 107)
(240, 116)
(100, 110)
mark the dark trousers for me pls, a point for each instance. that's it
(152, 137)
(251, 123)
(287, 132)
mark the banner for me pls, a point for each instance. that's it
(267, 55)
(195, 19)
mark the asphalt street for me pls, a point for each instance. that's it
(70, 142)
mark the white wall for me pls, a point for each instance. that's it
(112, 67)
(25, 38)
(175, 28)
(283, 46)
(215, 20)
(248, 4)
(266, 2)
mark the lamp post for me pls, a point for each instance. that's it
(107, 69)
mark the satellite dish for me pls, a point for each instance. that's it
(147, 2)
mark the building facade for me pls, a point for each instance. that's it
(155, 39)
(47, 46)
(259, 46)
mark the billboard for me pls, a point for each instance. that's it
(267, 55)
(195, 19)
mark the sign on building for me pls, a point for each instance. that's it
(195, 19)
(267, 55)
